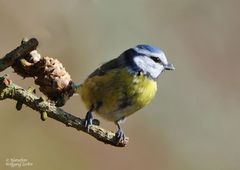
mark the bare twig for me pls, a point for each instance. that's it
(24, 49)
(12, 91)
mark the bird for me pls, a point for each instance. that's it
(123, 85)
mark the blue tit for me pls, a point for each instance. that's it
(123, 85)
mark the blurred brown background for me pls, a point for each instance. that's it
(192, 124)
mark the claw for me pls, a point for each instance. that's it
(88, 120)
(119, 134)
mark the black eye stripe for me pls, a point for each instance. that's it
(155, 59)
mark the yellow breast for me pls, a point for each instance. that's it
(118, 93)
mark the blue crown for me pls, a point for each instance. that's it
(148, 48)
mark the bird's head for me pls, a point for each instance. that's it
(149, 60)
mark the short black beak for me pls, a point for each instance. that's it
(169, 67)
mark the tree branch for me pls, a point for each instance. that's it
(12, 91)
(53, 81)
(25, 48)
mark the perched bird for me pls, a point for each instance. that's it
(123, 85)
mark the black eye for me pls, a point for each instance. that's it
(155, 59)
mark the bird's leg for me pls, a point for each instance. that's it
(119, 134)
(88, 119)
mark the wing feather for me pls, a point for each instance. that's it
(103, 69)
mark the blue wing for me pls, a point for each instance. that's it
(124, 60)
(103, 69)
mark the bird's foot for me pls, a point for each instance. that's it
(87, 123)
(119, 135)
(88, 120)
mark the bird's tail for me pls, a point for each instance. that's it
(77, 89)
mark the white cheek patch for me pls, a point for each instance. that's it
(148, 66)
(160, 54)
(163, 58)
